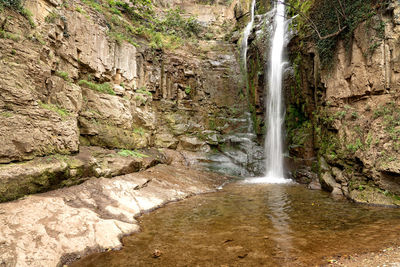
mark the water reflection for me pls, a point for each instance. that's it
(279, 205)
(254, 225)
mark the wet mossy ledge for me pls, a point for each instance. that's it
(55, 171)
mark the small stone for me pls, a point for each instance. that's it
(337, 191)
(73, 172)
(119, 90)
(314, 185)
(242, 256)
(157, 253)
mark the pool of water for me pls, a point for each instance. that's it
(254, 225)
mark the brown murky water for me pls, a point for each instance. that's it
(254, 225)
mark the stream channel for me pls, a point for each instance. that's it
(247, 224)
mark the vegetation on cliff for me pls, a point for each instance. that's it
(18, 6)
(127, 22)
(327, 21)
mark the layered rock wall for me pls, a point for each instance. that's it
(70, 81)
(348, 113)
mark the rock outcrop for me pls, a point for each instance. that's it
(51, 172)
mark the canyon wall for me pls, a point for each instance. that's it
(343, 118)
(81, 74)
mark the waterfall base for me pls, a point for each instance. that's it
(270, 178)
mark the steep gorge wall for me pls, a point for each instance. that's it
(346, 117)
(71, 81)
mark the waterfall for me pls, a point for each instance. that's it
(246, 34)
(274, 104)
(273, 141)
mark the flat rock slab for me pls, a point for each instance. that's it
(60, 226)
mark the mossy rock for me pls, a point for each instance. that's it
(372, 195)
(17, 180)
(110, 136)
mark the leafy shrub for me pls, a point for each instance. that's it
(28, 15)
(64, 75)
(52, 17)
(138, 9)
(8, 35)
(120, 37)
(103, 87)
(325, 15)
(80, 10)
(144, 91)
(166, 32)
(175, 23)
(139, 130)
(188, 89)
(17, 5)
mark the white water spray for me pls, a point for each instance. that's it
(246, 34)
(273, 142)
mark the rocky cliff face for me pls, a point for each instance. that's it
(346, 116)
(80, 74)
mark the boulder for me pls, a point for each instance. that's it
(166, 140)
(109, 136)
(110, 109)
(328, 182)
(192, 143)
(339, 176)
(37, 131)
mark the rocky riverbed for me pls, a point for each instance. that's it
(388, 257)
(62, 225)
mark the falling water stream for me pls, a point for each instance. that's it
(274, 107)
(273, 142)
(246, 34)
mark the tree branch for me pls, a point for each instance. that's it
(312, 24)
(343, 10)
